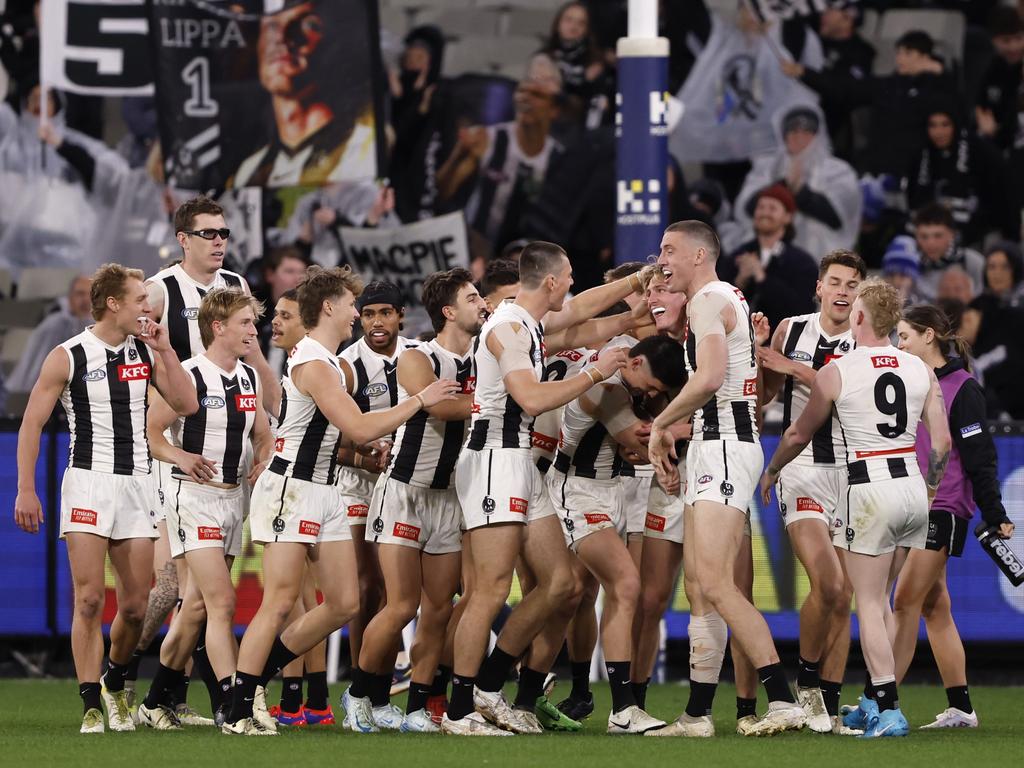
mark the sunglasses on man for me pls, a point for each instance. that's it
(208, 234)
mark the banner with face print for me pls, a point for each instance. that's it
(267, 93)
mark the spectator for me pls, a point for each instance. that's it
(935, 233)
(505, 164)
(69, 320)
(901, 266)
(1004, 273)
(500, 282)
(955, 285)
(897, 101)
(705, 201)
(283, 268)
(588, 86)
(825, 188)
(848, 55)
(964, 172)
(998, 95)
(776, 277)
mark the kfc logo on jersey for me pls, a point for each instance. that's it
(209, 533)
(830, 357)
(245, 402)
(655, 522)
(279, 445)
(519, 506)
(805, 504)
(84, 516)
(885, 361)
(309, 528)
(750, 387)
(138, 372)
(544, 442)
(468, 386)
(358, 510)
(406, 531)
(572, 354)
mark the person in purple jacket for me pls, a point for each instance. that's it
(970, 481)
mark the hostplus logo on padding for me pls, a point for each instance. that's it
(639, 201)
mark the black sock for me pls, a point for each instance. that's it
(418, 695)
(380, 690)
(441, 680)
(886, 696)
(161, 691)
(90, 693)
(291, 694)
(640, 693)
(531, 688)
(132, 671)
(958, 697)
(316, 691)
(179, 693)
(276, 661)
(361, 684)
(224, 686)
(494, 671)
(830, 692)
(113, 678)
(745, 707)
(580, 680)
(807, 674)
(702, 697)
(618, 681)
(869, 687)
(201, 666)
(242, 694)
(462, 697)
(773, 678)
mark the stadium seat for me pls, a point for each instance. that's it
(13, 345)
(45, 282)
(526, 21)
(23, 313)
(457, 23)
(945, 27)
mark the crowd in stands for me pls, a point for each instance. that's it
(909, 149)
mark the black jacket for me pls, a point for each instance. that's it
(788, 286)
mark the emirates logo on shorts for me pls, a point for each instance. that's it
(519, 506)
(406, 531)
(655, 522)
(209, 533)
(805, 504)
(84, 516)
(358, 510)
(309, 528)
(593, 518)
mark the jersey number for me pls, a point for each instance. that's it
(891, 400)
(556, 370)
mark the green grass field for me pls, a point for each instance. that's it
(39, 727)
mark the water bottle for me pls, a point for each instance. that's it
(999, 550)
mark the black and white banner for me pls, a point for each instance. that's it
(772, 10)
(97, 47)
(281, 98)
(407, 255)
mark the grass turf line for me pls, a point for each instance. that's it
(39, 723)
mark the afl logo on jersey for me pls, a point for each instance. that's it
(190, 313)
(212, 402)
(375, 390)
(97, 375)
(802, 357)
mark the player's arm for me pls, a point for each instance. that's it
(937, 424)
(590, 303)
(350, 376)
(510, 345)
(169, 377)
(415, 373)
(159, 417)
(321, 382)
(594, 333)
(155, 299)
(262, 437)
(613, 407)
(53, 376)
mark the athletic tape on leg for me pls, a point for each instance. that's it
(709, 637)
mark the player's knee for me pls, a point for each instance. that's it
(626, 589)
(132, 610)
(492, 592)
(564, 588)
(342, 606)
(590, 591)
(715, 590)
(831, 592)
(653, 601)
(221, 604)
(88, 602)
(403, 611)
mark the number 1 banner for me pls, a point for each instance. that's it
(267, 93)
(96, 47)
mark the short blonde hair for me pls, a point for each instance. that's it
(882, 301)
(323, 284)
(220, 304)
(110, 282)
(650, 274)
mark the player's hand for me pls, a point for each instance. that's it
(199, 468)
(1005, 530)
(154, 335)
(641, 315)
(662, 450)
(611, 360)
(767, 481)
(440, 390)
(255, 472)
(671, 483)
(28, 512)
(773, 360)
(762, 328)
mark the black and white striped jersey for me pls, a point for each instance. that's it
(220, 428)
(498, 420)
(427, 448)
(585, 446)
(106, 398)
(306, 443)
(564, 365)
(181, 299)
(806, 343)
(731, 413)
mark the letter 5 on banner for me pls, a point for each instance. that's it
(641, 162)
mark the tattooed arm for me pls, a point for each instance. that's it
(937, 423)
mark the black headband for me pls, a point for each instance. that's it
(381, 293)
